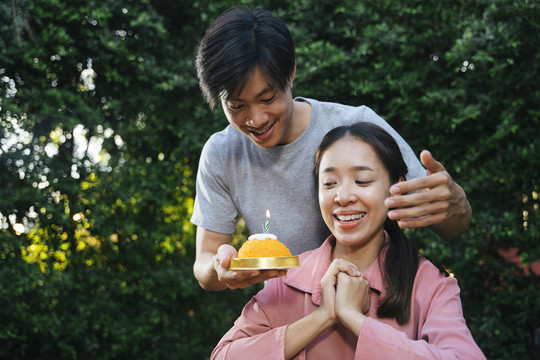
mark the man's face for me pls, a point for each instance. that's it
(261, 111)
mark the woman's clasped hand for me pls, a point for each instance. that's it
(345, 292)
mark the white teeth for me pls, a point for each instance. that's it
(260, 131)
(350, 217)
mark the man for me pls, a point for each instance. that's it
(263, 159)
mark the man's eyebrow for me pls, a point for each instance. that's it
(268, 88)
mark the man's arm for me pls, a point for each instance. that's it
(438, 202)
(212, 258)
(206, 247)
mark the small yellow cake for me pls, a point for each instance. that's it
(263, 245)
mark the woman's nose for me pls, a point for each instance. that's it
(344, 196)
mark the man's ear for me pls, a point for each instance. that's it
(291, 80)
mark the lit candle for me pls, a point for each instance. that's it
(267, 225)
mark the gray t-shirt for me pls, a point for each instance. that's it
(236, 177)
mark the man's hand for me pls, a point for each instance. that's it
(431, 200)
(213, 256)
(239, 279)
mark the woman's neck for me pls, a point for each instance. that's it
(362, 256)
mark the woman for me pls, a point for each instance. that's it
(365, 293)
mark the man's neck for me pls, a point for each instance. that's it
(301, 117)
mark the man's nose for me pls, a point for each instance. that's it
(256, 117)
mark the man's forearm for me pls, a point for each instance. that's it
(455, 225)
(204, 272)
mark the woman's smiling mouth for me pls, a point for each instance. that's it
(349, 218)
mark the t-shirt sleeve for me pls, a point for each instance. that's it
(213, 208)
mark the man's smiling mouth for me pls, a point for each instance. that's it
(261, 131)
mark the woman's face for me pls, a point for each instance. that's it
(353, 185)
(261, 111)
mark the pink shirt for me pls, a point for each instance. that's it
(436, 330)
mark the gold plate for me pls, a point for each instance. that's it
(264, 263)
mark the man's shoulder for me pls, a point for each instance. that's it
(225, 135)
(330, 105)
(335, 114)
(223, 142)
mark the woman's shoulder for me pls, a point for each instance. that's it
(432, 277)
(429, 263)
(427, 267)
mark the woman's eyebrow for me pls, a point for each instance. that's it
(328, 169)
(362, 168)
(354, 168)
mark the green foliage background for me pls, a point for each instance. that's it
(103, 268)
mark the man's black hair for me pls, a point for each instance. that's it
(238, 41)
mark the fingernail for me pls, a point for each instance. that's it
(390, 203)
(392, 215)
(395, 189)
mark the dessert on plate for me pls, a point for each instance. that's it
(263, 251)
(263, 245)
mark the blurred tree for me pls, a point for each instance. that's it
(101, 124)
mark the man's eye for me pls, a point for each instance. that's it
(234, 106)
(270, 99)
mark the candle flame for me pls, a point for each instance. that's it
(267, 214)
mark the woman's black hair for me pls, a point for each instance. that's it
(401, 260)
(236, 43)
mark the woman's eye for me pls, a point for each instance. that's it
(363, 182)
(328, 184)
